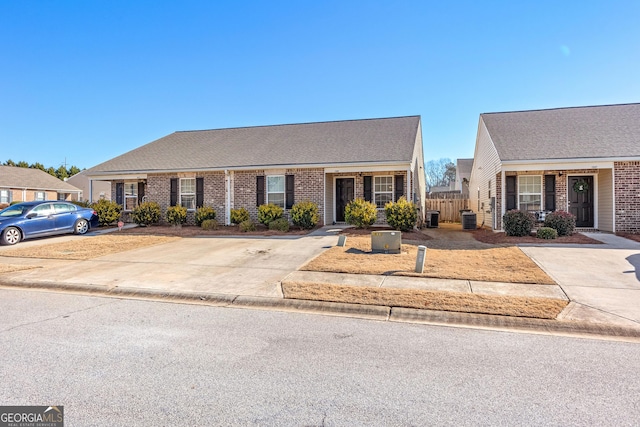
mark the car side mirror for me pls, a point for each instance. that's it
(31, 215)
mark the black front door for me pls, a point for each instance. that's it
(344, 194)
(581, 200)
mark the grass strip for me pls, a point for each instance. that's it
(540, 308)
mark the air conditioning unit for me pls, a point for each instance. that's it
(469, 221)
(386, 242)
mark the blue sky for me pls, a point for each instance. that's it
(85, 81)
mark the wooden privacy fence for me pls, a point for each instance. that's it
(449, 208)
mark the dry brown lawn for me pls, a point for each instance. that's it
(87, 247)
(542, 308)
(493, 264)
(8, 268)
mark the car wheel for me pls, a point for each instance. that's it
(81, 227)
(11, 236)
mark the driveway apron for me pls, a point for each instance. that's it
(602, 280)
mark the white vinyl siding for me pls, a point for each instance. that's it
(382, 190)
(275, 190)
(604, 199)
(530, 193)
(188, 193)
(486, 168)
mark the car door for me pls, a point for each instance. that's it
(40, 221)
(65, 216)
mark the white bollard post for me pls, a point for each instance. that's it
(422, 254)
(342, 240)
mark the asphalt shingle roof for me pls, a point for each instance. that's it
(32, 179)
(566, 133)
(370, 140)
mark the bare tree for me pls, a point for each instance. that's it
(440, 172)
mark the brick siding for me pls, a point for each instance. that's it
(627, 196)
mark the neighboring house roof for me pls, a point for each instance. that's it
(463, 167)
(607, 131)
(32, 179)
(339, 142)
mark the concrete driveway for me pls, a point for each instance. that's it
(603, 281)
(226, 265)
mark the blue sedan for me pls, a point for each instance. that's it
(37, 219)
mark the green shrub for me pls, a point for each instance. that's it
(14, 202)
(247, 225)
(176, 215)
(563, 222)
(280, 224)
(204, 213)
(360, 213)
(269, 213)
(239, 215)
(146, 213)
(546, 233)
(305, 215)
(401, 215)
(518, 223)
(107, 210)
(82, 204)
(209, 224)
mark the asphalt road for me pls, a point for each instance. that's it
(116, 362)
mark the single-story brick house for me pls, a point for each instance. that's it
(328, 163)
(584, 160)
(26, 185)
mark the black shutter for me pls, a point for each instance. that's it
(399, 184)
(259, 190)
(120, 193)
(140, 191)
(549, 192)
(174, 192)
(289, 182)
(368, 188)
(199, 192)
(512, 193)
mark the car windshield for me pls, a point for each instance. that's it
(15, 210)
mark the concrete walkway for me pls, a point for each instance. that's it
(602, 281)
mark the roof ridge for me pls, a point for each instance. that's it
(301, 123)
(561, 108)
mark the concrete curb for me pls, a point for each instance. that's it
(374, 312)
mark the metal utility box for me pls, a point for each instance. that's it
(433, 219)
(386, 242)
(469, 221)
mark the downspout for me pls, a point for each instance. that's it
(227, 203)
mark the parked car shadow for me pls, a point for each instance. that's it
(634, 260)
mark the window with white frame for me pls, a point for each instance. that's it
(530, 192)
(5, 196)
(39, 195)
(382, 190)
(130, 195)
(188, 193)
(275, 190)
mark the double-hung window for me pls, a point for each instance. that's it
(39, 196)
(382, 190)
(188, 193)
(5, 196)
(130, 196)
(275, 190)
(530, 192)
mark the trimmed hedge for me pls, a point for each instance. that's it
(561, 221)
(546, 233)
(209, 224)
(146, 213)
(401, 215)
(305, 215)
(269, 213)
(176, 215)
(360, 213)
(518, 223)
(280, 224)
(107, 210)
(247, 225)
(239, 215)
(204, 213)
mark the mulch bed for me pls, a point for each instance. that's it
(488, 236)
(414, 235)
(224, 230)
